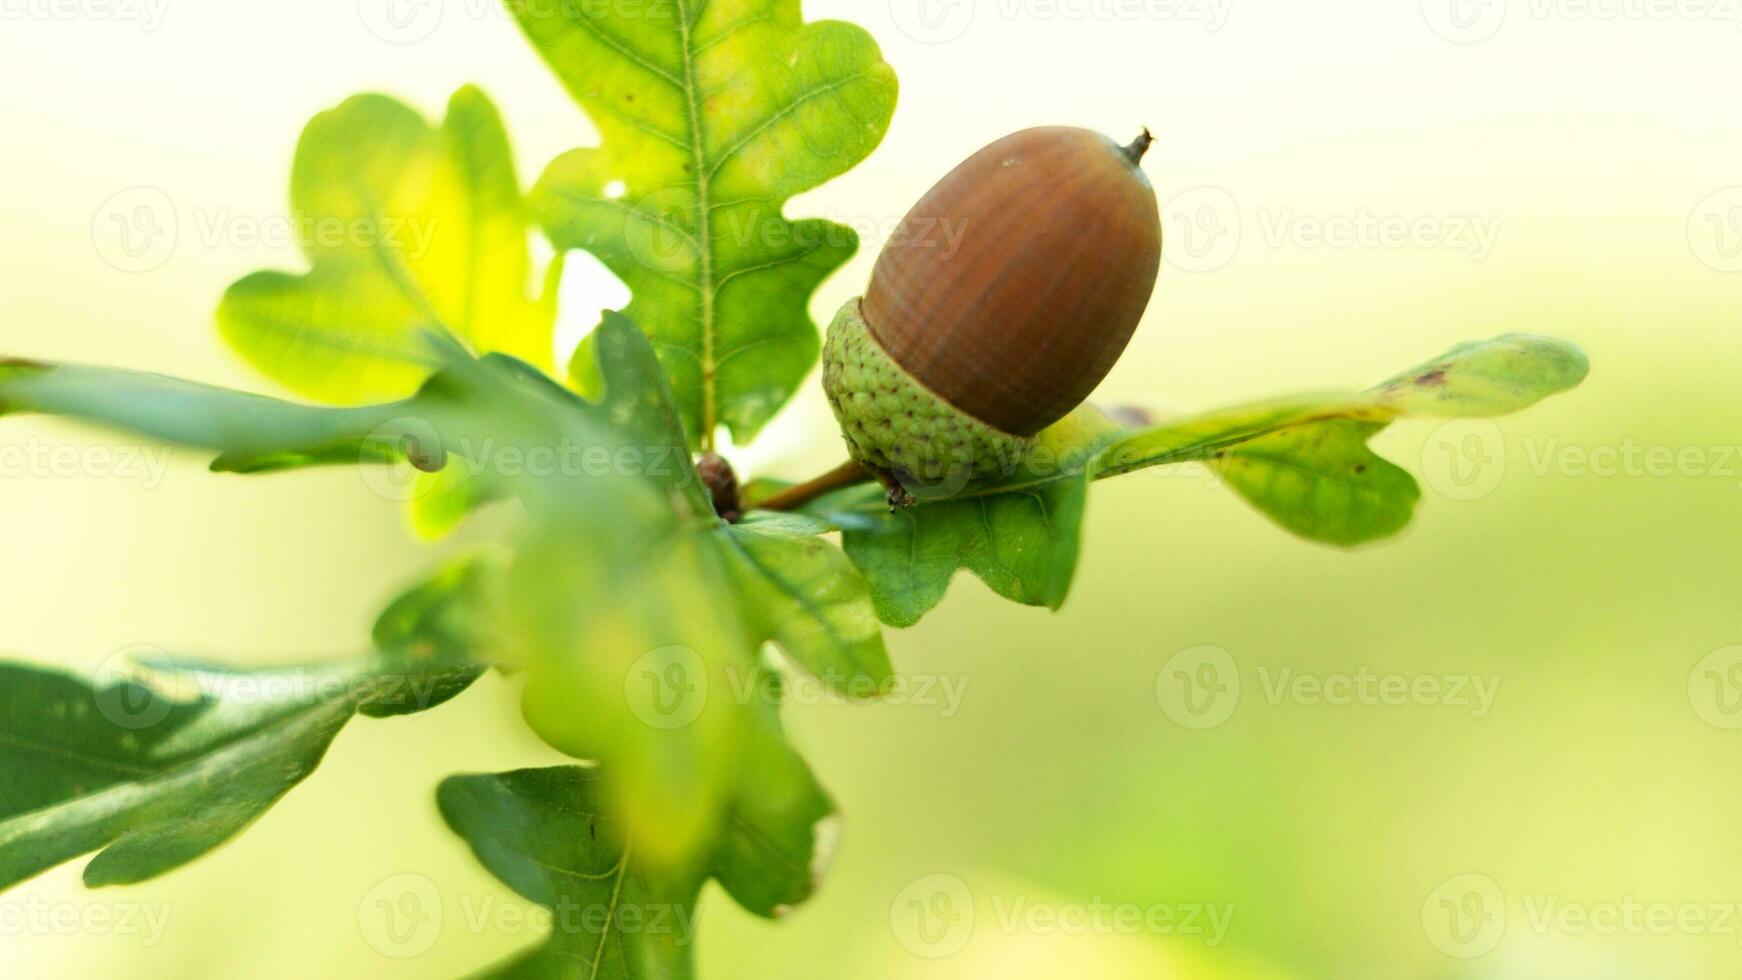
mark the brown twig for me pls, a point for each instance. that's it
(848, 474)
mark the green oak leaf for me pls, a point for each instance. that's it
(804, 595)
(1021, 541)
(792, 590)
(1303, 462)
(608, 565)
(155, 762)
(450, 416)
(1323, 483)
(248, 433)
(634, 651)
(1022, 544)
(1486, 379)
(408, 228)
(643, 615)
(713, 114)
(1473, 380)
(453, 618)
(781, 828)
(625, 588)
(550, 834)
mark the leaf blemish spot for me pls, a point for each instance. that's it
(1432, 379)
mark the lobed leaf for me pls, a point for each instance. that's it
(1322, 482)
(643, 621)
(621, 572)
(1303, 462)
(1485, 379)
(1019, 538)
(408, 229)
(550, 835)
(1022, 544)
(804, 595)
(714, 113)
(155, 762)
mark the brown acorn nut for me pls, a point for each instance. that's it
(1007, 293)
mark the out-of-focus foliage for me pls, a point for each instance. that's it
(156, 761)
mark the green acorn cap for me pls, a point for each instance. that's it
(894, 425)
(999, 304)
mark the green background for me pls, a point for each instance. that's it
(1595, 779)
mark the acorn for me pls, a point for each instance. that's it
(1000, 302)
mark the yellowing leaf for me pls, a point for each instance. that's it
(408, 228)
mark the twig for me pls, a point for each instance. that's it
(848, 474)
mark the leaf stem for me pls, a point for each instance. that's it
(848, 474)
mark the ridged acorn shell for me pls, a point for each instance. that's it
(1013, 286)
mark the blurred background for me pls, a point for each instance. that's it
(1202, 767)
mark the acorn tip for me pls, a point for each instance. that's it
(1139, 147)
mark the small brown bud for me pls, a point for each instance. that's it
(716, 474)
